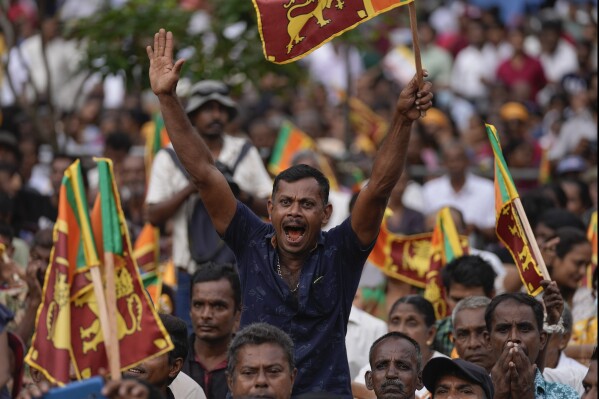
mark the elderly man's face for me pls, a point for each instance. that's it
(469, 338)
(261, 371)
(395, 373)
(515, 322)
(454, 387)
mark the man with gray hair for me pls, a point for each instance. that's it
(396, 367)
(261, 363)
(469, 329)
(558, 366)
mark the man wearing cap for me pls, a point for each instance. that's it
(171, 195)
(456, 378)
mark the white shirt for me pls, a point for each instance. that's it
(470, 66)
(340, 201)
(166, 179)
(568, 371)
(476, 199)
(362, 330)
(184, 387)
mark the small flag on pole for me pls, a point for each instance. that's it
(511, 224)
(587, 281)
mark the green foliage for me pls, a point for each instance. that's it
(117, 38)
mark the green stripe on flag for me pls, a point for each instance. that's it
(502, 173)
(111, 232)
(281, 143)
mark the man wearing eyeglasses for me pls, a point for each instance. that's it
(171, 195)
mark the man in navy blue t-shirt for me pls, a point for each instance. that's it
(293, 275)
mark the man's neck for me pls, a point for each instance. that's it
(215, 143)
(211, 353)
(457, 182)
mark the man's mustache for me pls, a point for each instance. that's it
(395, 383)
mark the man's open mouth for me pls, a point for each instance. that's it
(294, 233)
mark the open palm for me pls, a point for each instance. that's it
(164, 75)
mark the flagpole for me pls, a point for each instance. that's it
(415, 42)
(113, 350)
(531, 238)
(102, 311)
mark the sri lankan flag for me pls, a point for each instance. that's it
(73, 254)
(446, 245)
(140, 332)
(405, 258)
(156, 138)
(370, 128)
(290, 141)
(508, 221)
(68, 330)
(587, 281)
(291, 29)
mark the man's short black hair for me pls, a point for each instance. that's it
(520, 297)
(119, 141)
(397, 335)
(258, 334)
(212, 271)
(177, 329)
(470, 271)
(299, 172)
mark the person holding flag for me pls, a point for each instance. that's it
(293, 275)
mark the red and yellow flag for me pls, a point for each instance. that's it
(405, 258)
(291, 29)
(370, 128)
(446, 245)
(68, 330)
(508, 221)
(587, 281)
(73, 253)
(156, 138)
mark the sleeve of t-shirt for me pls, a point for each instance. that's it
(351, 256)
(245, 230)
(159, 185)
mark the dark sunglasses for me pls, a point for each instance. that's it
(211, 88)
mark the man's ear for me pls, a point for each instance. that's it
(229, 381)
(237, 320)
(176, 367)
(328, 211)
(293, 375)
(368, 379)
(419, 383)
(543, 338)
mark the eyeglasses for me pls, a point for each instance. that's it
(209, 87)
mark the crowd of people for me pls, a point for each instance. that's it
(272, 292)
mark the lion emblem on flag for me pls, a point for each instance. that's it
(298, 21)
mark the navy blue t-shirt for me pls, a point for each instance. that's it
(317, 319)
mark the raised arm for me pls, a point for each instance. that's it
(190, 147)
(389, 162)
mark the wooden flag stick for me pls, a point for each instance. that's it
(416, 43)
(114, 355)
(531, 238)
(102, 310)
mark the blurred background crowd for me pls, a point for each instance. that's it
(73, 85)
